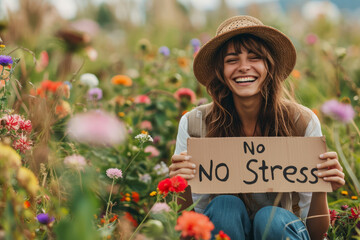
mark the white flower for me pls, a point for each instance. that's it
(145, 177)
(161, 169)
(89, 79)
(144, 137)
(75, 161)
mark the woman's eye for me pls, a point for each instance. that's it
(254, 57)
(230, 60)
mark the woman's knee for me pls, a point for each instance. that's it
(225, 205)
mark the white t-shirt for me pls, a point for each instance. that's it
(313, 130)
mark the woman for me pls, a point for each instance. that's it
(243, 69)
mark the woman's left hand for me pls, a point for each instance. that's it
(334, 172)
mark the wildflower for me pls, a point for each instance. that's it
(154, 152)
(153, 193)
(144, 99)
(161, 169)
(114, 173)
(182, 62)
(296, 74)
(333, 216)
(2, 46)
(26, 204)
(222, 236)
(108, 131)
(5, 60)
(157, 139)
(339, 111)
(164, 186)
(144, 137)
(121, 114)
(12, 122)
(311, 39)
(195, 43)
(121, 80)
(44, 218)
(185, 92)
(192, 224)
(344, 207)
(344, 193)
(144, 45)
(131, 219)
(165, 51)
(160, 207)
(42, 62)
(135, 196)
(25, 125)
(22, 144)
(355, 213)
(75, 161)
(62, 109)
(89, 79)
(27, 179)
(95, 94)
(91, 53)
(113, 218)
(5, 73)
(178, 184)
(146, 125)
(51, 86)
(145, 178)
(354, 197)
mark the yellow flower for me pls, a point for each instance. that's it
(344, 193)
(121, 80)
(153, 193)
(9, 156)
(2, 46)
(121, 114)
(354, 197)
(28, 180)
(127, 199)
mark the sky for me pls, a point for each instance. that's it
(68, 8)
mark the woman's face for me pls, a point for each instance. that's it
(244, 72)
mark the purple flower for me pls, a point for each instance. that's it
(5, 60)
(195, 42)
(95, 94)
(114, 173)
(164, 50)
(44, 218)
(339, 111)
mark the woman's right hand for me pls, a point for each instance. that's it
(182, 166)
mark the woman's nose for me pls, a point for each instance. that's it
(244, 66)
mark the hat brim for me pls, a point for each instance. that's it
(281, 46)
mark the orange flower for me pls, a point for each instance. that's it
(183, 62)
(296, 74)
(113, 218)
(121, 80)
(26, 204)
(193, 224)
(354, 197)
(135, 196)
(2, 83)
(131, 219)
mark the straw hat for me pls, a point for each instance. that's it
(282, 48)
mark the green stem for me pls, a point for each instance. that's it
(107, 208)
(356, 128)
(345, 162)
(133, 159)
(138, 227)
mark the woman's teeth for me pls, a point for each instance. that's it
(245, 79)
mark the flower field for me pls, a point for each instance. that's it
(89, 111)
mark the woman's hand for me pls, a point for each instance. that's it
(182, 166)
(334, 172)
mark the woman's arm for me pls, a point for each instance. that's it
(318, 218)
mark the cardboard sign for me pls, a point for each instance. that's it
(257, 164)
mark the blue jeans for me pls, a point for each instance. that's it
(228, 213)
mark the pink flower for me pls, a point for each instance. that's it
(185, 92)
(42, 62)
(339, 111)
(22, 144)
(153, 150)
(146, 125)
(311, 39)
(96, 128)
(12, 122)
(142, 99)
(25, 125)
(160, 207)
(75, 161)
(114, 173)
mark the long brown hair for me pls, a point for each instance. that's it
(276, 117)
